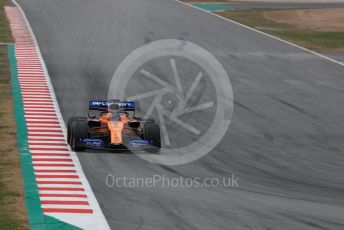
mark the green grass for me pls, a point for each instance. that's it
(12, 208)
(5, 32)
(330, 41)
(318, 41)
(253, 18)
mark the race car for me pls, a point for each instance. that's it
(115, 127)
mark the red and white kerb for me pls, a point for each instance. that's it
(59, 177)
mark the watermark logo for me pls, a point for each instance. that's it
(184, 89)
(163, 181)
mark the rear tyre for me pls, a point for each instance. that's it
(71, 120)
(79, 131)
(152, 134)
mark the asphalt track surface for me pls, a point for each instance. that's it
(336, 56)
(285, 142)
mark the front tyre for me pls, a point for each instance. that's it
(71, 120)
(152, 134)
(79, 131)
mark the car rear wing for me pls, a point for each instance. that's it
(104, 105)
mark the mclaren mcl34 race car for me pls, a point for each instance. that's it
(114, 126)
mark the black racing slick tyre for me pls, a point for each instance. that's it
(152, 134)
(71, 120)
(79, 131)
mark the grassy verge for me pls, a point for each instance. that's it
(12, 207)
(5, 32)
(318, 41)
